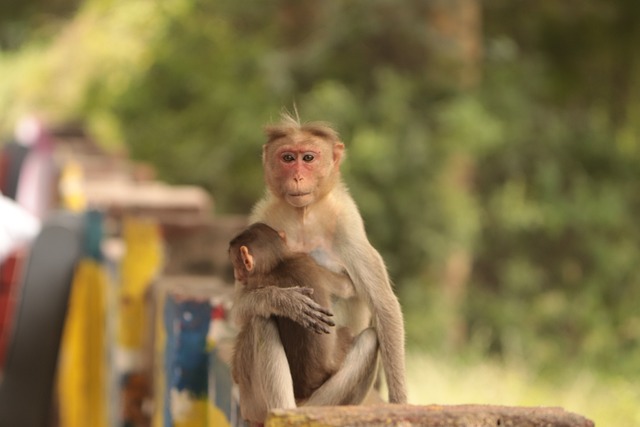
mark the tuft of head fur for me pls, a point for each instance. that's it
(289, 126)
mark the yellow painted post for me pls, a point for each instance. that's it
(82, 371)
(140, 266)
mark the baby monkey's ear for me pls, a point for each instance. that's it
(247, 258)
(283, 236)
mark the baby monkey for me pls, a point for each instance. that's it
(261, 258)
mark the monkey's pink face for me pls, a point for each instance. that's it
(297, 172)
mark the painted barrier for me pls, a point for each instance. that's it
(193, 339)
(141, 350)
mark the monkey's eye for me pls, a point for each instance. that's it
(288, 157)
(308, 158)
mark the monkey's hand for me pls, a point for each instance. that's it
(307, 312)
(293, 303)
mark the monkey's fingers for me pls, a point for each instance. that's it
(318, 308)
(320, 313)
(317, 321)
(312, 315)
(310, 303)
(313, 324)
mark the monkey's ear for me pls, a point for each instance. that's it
(283, 235)
(247, 258)
(338, 151)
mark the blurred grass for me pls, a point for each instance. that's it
(608, 401)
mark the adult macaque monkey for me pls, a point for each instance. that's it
(260, 254)
(307, 199)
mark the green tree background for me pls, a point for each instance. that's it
(493, 147)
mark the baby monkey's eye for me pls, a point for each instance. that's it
(308, 157)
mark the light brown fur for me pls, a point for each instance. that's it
(307, 199)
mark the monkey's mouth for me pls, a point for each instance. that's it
(299, 194)
(299, 199)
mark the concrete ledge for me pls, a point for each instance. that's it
(427, 416)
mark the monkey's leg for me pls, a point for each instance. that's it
(263, 375)
(271, 368)
(252, 405)
(352, 382)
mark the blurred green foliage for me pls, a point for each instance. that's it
(532, 174)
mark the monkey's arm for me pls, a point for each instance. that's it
(372, 282)
(294, 303)
(366, 268)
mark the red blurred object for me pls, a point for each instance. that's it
(9, 274)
